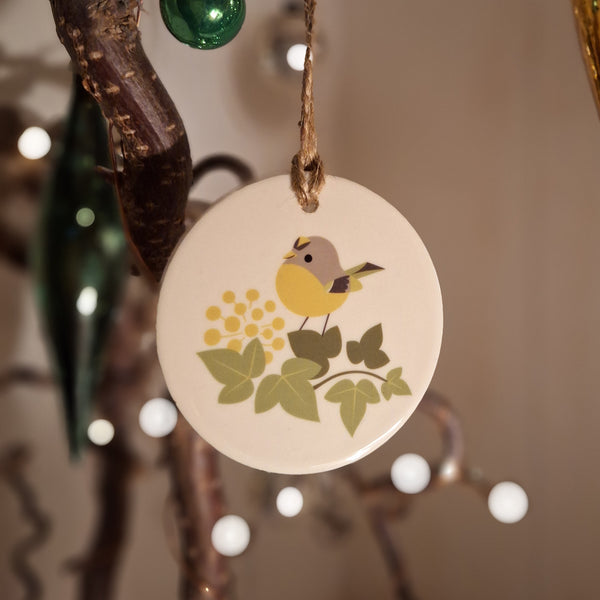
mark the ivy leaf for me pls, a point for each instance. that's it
(368, 349)
(353, 398)
(235, 370)
(292, 389)
(254, 355)
(395, 385)
(239, 392)
(316, 347)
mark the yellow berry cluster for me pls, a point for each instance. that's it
(249, 320)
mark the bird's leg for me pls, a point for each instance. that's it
(303, 323)
(325, 326)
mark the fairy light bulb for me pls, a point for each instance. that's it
(101, 432)
(34, 143)
(158, 417)
(230, 535)
(410, 473)
(508, 502)
(290, 501)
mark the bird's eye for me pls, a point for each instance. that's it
(308, 258)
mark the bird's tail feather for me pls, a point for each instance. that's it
(363, 270)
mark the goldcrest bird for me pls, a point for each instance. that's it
(311, 281)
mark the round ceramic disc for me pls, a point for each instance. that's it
(296, 342)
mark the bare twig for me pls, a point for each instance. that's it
(391, 554)
(24, 376)
(383, 501)
(117, 463)
(12, 464)
(126, 374)
(222, 161)
(198, 494)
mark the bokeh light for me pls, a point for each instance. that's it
(34, 143)
(411, 473)
(508, 502)
(290, 501)
(158, 417)
(295, 57)
(87, 301)
(101, 432)
(85, 217)
(230, 535)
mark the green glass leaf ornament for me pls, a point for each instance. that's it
(203, 24)
(79, 260)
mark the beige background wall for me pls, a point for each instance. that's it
(475, 119)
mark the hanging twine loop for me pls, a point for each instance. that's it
(308, 175)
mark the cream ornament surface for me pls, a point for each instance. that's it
(296, 342)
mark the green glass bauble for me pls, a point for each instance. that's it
(203, 24)
(79, 262)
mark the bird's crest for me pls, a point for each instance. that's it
(301, 242)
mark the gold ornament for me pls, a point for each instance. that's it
(588, 28)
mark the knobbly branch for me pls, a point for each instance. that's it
(103, 40)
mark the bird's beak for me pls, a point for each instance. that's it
(290, 254)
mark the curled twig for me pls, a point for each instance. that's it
(12, 464)
(24, 376)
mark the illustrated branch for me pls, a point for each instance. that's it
(370, 373)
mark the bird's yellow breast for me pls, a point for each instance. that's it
(303, 293)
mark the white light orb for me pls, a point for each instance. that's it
(295, 57)
(230, 535)
(508, 502)
(85, 217)
(87, 301)
(410, 473)
(101, 432)
(158, 417)
(290, 501)
(34, 143)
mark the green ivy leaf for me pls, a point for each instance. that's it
(395, 385)
(353, 398)
(316, 347)
(254, 357)
(235, 370)
(239, 392)
(292, 389)
(368, 349)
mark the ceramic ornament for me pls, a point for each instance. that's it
(298, 342)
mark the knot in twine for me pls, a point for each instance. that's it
(307, 174)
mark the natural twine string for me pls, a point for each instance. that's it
(308, 175)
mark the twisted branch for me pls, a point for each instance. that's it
(103, 41)
(12, 464)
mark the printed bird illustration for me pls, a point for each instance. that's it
(312, 283)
